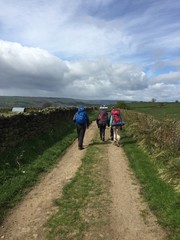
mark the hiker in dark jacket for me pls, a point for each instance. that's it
(82, 122)
(102, 121)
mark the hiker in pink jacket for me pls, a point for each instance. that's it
(116, 123)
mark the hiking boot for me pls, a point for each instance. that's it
(81, 148)
(118, 143)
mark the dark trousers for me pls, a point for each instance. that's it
(81, 132)
(102, 129)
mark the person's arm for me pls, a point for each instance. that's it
(87, 122)
(110, 122)
(97, 120)
(74, 118)
(107, 120)
(120, 117)
(109, 116)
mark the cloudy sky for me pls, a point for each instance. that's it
(98, 49)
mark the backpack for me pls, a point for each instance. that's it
(116, 118)
(81, 116)
(103, 117)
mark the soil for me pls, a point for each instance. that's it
(130, 217)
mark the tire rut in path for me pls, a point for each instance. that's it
(127, 205)
(26, 220)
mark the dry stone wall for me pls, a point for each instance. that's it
(18, 128)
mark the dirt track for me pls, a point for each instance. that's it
(26, 220)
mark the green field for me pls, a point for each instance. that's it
(158, 110)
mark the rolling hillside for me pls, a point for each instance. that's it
(15, 101)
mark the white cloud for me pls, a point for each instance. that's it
(168, 78)
(32, 68)
(102, 79)
(35, 69)
(92, 49)
(162, 92)
(61, 28)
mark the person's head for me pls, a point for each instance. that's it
(81, 109)
(103, 107)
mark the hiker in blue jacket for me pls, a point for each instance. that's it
(82, 122)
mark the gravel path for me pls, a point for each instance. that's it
(26, 220)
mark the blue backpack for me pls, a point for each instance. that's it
(81, 116)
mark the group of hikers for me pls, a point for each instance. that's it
(112, 120)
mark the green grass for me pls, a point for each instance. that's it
(158, 110)
(162, 198)
(84, 199)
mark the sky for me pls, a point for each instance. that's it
(100, 49)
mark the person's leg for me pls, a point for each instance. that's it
(114, 134)
(111, 133)
(82, 135)
(118, 136)
(78, 133)
(82, 130)
(100, 131)
(103, 132)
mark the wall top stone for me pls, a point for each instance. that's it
(18, 109)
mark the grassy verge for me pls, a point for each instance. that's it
(161, 139)
(85, 199)
(162, 198)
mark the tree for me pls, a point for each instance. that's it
(121, 105)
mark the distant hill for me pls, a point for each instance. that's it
(40, 102)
